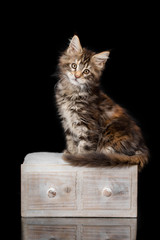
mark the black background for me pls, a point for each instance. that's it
(35, 36)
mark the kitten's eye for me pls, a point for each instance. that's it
(74, 66)
(86, 71)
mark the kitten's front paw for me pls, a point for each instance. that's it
(66, 152)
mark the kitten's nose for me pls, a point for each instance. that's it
(77, 74)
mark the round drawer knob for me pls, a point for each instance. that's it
(51, 192)
(107, 192)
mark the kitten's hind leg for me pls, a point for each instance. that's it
(86, 147)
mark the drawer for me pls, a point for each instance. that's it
(103, 191)
(54, 190)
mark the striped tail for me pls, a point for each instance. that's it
(105, 160)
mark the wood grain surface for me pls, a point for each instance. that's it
(78, 191)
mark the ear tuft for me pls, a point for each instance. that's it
(74, 46)
(100, 59)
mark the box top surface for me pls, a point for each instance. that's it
(38, 159)
(44, 158)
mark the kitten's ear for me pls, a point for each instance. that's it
(74, 46)
(100, 59)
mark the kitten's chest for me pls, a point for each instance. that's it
(72, 113)
(77, 109)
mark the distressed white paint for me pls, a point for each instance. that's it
(79, 190)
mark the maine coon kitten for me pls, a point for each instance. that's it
(98, 131)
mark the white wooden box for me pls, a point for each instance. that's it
(52, 188)
(79, 228)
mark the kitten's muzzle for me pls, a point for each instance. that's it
(78, 74)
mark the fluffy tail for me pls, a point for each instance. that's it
(103, 160)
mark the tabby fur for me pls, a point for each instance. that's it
(99, 132)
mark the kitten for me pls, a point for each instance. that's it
(98, 131)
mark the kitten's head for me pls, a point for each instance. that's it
(81, 66)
